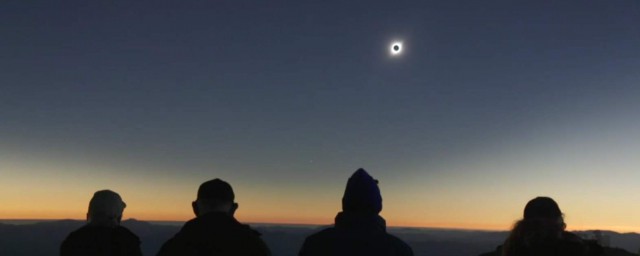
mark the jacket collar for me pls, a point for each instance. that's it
(361, 221)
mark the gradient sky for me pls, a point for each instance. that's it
(491, 104)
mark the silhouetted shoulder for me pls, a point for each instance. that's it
(359, 229)
(400, 246)
(97, 240)
(318, 243)
(215, 234)
(337, 242)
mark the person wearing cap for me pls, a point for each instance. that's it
(358, 229)
(541, 231)
(102, 235)
(215, 231)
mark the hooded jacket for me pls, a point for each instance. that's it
(355, 234)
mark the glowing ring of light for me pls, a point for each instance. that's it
(395, 48)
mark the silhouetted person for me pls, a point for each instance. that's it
(215, 231)
(102, 235)
(542, 232)
(358, 230)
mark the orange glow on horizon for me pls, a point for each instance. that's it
(302, 221)
(323, 213)
(59, 196)
(619, 229)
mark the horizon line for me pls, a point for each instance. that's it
(257, 223)
(319, 225)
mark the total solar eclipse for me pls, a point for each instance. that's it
(396, 48)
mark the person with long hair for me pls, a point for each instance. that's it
(542, 232)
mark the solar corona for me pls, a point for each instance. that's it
(396, 48)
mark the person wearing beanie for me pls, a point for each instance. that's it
(102, 235)
(359, 229)
(215, 231)
(541, 231)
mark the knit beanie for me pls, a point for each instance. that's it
(362, 194)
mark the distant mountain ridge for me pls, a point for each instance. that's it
(44, 238)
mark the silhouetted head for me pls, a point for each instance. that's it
(542, 208)
(105, 208)
(215, 196)
(362, 194)
(542, 225)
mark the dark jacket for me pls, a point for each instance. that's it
(91, 240)
(569, 245)
(354, 235)
(215, 234)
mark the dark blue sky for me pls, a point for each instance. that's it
(287, 93)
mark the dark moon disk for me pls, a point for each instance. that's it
(396, 47)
